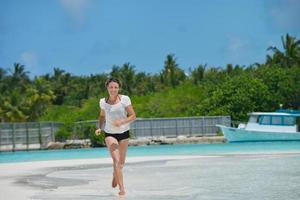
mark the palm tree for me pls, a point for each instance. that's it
(2, 73)
(172, 75)
(19, 71)
(197, 74)
(290, 56)
(126, 74)
(19, 77)
(291, 46)
(61, 84)
(57, 73)
(13, 108)
(39, 96)
(4, 85)
(128, 77)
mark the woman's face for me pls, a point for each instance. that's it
(113, 89)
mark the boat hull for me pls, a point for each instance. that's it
(242, 135)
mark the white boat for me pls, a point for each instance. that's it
(282, 125)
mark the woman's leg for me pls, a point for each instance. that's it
(113, 146)
(123, 146)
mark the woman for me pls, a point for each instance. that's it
(116, 112)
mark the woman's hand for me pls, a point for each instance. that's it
(98, 132)
(118, 122)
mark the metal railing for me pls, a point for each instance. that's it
(171, 127)
(37, 135)
(26, 136)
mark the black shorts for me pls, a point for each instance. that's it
(118, 136)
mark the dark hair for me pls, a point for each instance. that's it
(112, 80)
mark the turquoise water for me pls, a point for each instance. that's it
(154, 150)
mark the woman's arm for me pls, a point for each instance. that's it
(100, 122)
(130, 117)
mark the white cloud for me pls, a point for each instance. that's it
(236, 45)
(76, 9)
(236, 49)
(31, 62)
(30, 59)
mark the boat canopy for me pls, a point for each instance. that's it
(294, 113)
(288, 111)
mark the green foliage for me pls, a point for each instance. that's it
(197, 74)
(174, 102)
(65, 132)
(39, 96)
(289, 57)
(172, 75)
(89, 110)
(283, 84)
(97, 141)
(62, 113)
(236, 97)
(87, 130)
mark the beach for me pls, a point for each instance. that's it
(31, 178)
(218, 176)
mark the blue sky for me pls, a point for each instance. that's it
(90, 36)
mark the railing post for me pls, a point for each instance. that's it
(202, 128)
(134, 129)
(81, 130)
(151, 128)
(0, 135)
(13, 137)
(27, 137)
(40, 135)
(52, 132)
(176, 121)
(190, 127)
(164, 127)
(74, 131)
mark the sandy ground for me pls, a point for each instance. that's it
(26, 180)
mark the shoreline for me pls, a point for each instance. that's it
(142, 141)
(178, 140)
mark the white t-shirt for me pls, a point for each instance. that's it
(114, 112)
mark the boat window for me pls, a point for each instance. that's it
(276, 120)
(298, 123)
(266, 120)
(253, 119)
(290, 121)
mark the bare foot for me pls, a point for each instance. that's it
(114, 182)
(122, 193)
